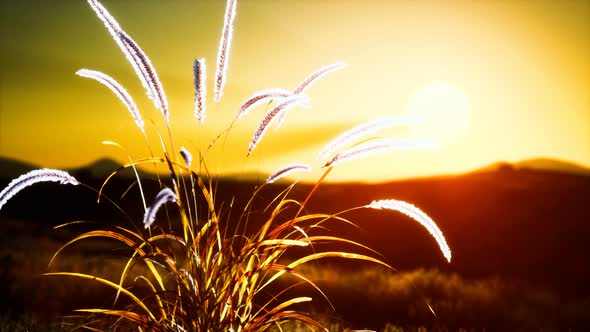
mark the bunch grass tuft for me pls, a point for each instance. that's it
(206, 269)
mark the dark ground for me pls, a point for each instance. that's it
(519, 239)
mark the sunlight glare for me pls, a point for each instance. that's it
(444, 111)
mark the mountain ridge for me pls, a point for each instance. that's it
(103, 167)
(540, 164)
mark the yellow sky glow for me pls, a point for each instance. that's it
(522, 69)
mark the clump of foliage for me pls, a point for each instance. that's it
(215, 274)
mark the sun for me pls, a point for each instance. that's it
(444, 112)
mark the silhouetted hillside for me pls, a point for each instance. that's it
(527, 224)
(516, 224)
(539, 164)
(548, 164)
(99, 169)
(10, 169)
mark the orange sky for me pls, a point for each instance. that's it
(522, 68)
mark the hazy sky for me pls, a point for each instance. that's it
(497, 80)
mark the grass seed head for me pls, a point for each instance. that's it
(119, 91)
(363, 130)
(273, 114)
(307, 82)
(262, 97)
(165, 195)
(418, 215)
(377, 147)
(186, 156)
(224, 48)
(206, 276)
(286, 170)
(32, 177)
(139, 61)
(199, 73)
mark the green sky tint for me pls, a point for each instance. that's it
(523, 65)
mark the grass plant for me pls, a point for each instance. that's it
(198, 265)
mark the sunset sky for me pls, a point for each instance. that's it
(494, 80)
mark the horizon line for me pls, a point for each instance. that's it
(565, 166)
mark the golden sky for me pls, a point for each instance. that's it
(496, 80)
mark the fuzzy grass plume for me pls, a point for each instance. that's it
(306, 83)
(262, 97)
(377, 147)
(147, 74)
(286, 170)
(415, 213)
(32, 177)
(224, 48)
(119, 91)
(165, 195)
(139, 61)
(363, 130)
(206, 268)
(199, 73)
(280, 94)
(186, 156)
(273, 114)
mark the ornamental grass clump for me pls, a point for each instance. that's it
(207, 270)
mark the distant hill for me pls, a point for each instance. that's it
(517, 223)
(547, 164)
(102, 168)
(10, 168)
(98, 169)
(541, 164)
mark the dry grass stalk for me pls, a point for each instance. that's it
(207, 276)
(119, 91)
(415, 213)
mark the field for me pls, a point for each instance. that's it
(519, 253)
